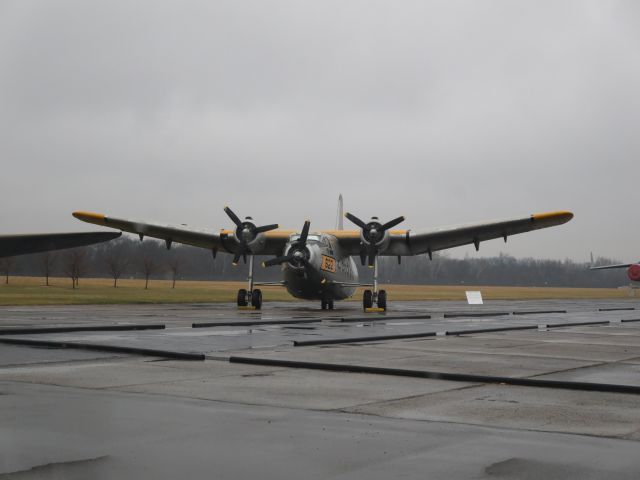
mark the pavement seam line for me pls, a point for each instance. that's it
(411, 397)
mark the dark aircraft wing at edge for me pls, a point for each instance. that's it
(11, 245)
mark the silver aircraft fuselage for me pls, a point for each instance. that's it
(327, 270)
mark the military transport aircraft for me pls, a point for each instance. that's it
(23, 244)
(319, 265)
(633, 269)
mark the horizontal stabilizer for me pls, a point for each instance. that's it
(270, 284)
(606, 267)
(350, 284)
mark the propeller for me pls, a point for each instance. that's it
(298, 255)
(246, 232)
(373, 235)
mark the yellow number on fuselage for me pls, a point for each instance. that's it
(328, 264)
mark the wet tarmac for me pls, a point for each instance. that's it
(113, 403)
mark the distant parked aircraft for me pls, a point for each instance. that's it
(633, 269)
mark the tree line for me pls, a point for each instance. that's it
(127, 257)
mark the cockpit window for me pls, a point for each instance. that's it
(310, 238)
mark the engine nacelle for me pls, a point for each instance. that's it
(633, 272)
(303, 255)
(381, 243)
(374, 235)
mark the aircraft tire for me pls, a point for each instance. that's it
(242, 297)
(256, 299)
(382, 299)
(367, 299)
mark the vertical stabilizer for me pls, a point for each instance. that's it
(340, 215)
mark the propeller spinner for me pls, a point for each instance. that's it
(298, 254)
(246, 232)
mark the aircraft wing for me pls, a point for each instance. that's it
(223, 240)
(425, 241)
(605, 267)
(416, 242)
(11, 245)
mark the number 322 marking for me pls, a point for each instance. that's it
(328, 264)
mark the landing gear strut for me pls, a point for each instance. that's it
(326, 304)
(250, 296)
(378, 297)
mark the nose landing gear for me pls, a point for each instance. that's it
(326, 304)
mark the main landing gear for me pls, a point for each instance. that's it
(369, 298)
(250, 298)
(377, 297)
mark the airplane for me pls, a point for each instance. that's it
(23, 244)
(320, 265)
(633, 269)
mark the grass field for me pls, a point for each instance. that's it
(32, 291)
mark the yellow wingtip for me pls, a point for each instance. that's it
(561, 215)
(89, 216)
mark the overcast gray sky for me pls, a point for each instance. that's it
(446, 112)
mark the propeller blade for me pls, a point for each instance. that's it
(305, 232)
(372, 260)
(393, 223)
(355, 220)
(363, 257)
(277, 261)
(267, 228)
(234, 218)
(236, 259)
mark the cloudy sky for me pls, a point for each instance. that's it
(444, 111)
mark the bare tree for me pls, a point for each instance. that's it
(6, 264)
(117, 263)
(175, 264)
(149, 267)
(75, 266)
(46, 262)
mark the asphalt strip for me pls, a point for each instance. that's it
(105, 348)
(79, 328)
(537, 312)
(385, 317)
(455, 377)
(475, 314)
(253, 322)
(615, 309)
(336, 341)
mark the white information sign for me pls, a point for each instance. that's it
(474, 298)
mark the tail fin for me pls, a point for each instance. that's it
(340, 214)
